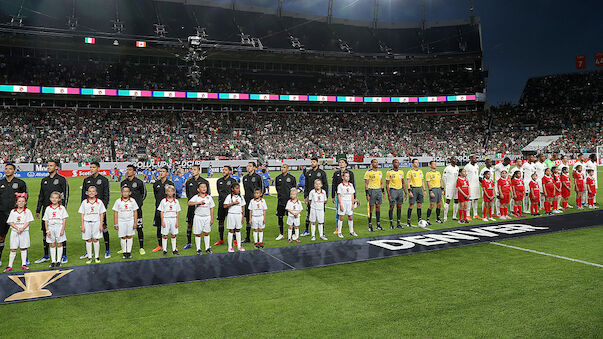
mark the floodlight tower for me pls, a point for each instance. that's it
(330, 12)
(375, 14)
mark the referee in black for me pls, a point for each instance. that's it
(54, 182)
(159, 192)
(312, 174)
(251, 182)
(9, 185)
(102, 187)
(139, 193)
(283, 183)
(224, 184)
(191, 186)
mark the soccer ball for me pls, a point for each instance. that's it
(422, 223)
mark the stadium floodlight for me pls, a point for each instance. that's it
(201, 33)
(295, 43)
(344, 46)
(16, 21)
(117, 26)
(72, 23)
(160, 30)
(245, 39)
(194, 41)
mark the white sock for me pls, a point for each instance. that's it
(289, 232)
(475, 205)
(164, 244)
(446, 206)
(339, 225)
(229, 240)
(123, 245)
(174, 244)
(321, 230)
(206, 238)
(238, 236)
(497, 205)
(129, 242)
(89, 249)
(468, 208)
(455, 210)
(53, 254)
(261, 236)
(351, 225)
(59, 252)
(313, 230)
(11, 258)
(525, 203)
(255, 237)
(297, 233)
(96, 249)
(198, 242)
(23, 257)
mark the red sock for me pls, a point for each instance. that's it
(591, 201)
(555, 204)
(463, 215)
(547, 207)
(484, 212)
(578, 202)
(490, 211)
(564, 204)
(503, 211)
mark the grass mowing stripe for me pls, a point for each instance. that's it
(547, 254)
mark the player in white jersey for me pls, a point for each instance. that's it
(169, 212)
(294, 209)
(258, 208)
(125, 214)
(591, 164)
(55, 218)
(235, 204)
(528, 169)
(345, 196)
(472, 169)
(539, 168)
(19, 220)
(92, 212)
(203, 218)
(317, 199)
(498, 168)
(449, 176)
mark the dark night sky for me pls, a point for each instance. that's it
(521, 39)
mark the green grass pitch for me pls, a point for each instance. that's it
(476, 291)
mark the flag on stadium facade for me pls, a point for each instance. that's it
(89, 40)
(141, 44)
(358, 157)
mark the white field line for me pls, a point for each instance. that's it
(547, 254)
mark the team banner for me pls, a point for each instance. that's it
(61, 282)
(234, 96)
(599, 59)
(580, 61)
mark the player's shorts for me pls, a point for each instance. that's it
(139, 220)
(126, 229)
(518, 198)
(222, 212)
(486, 199)
(190, 214)
(437, 198)
(317, 215)
(281, 211)
(19, 240)
(293, 221)
(451, 193)
(397, 196)
(91, 230)
(170, 226)
(234, 222)
(55, 235)
(3, 225)
(257, 222)
(551, 193)
(347, 207)
(505, 198)
(565, 193)
(474, 192)
(375, 196)
(201, 224)
(417, 195)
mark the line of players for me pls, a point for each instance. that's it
(455, 184)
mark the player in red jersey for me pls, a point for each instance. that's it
(534, 194)
(579, 185)
(504, 194)
(462, 186)
(591, 185)
(548, 186)
(566, 187)
(557, 180)
(489, 195)
(517, 190)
